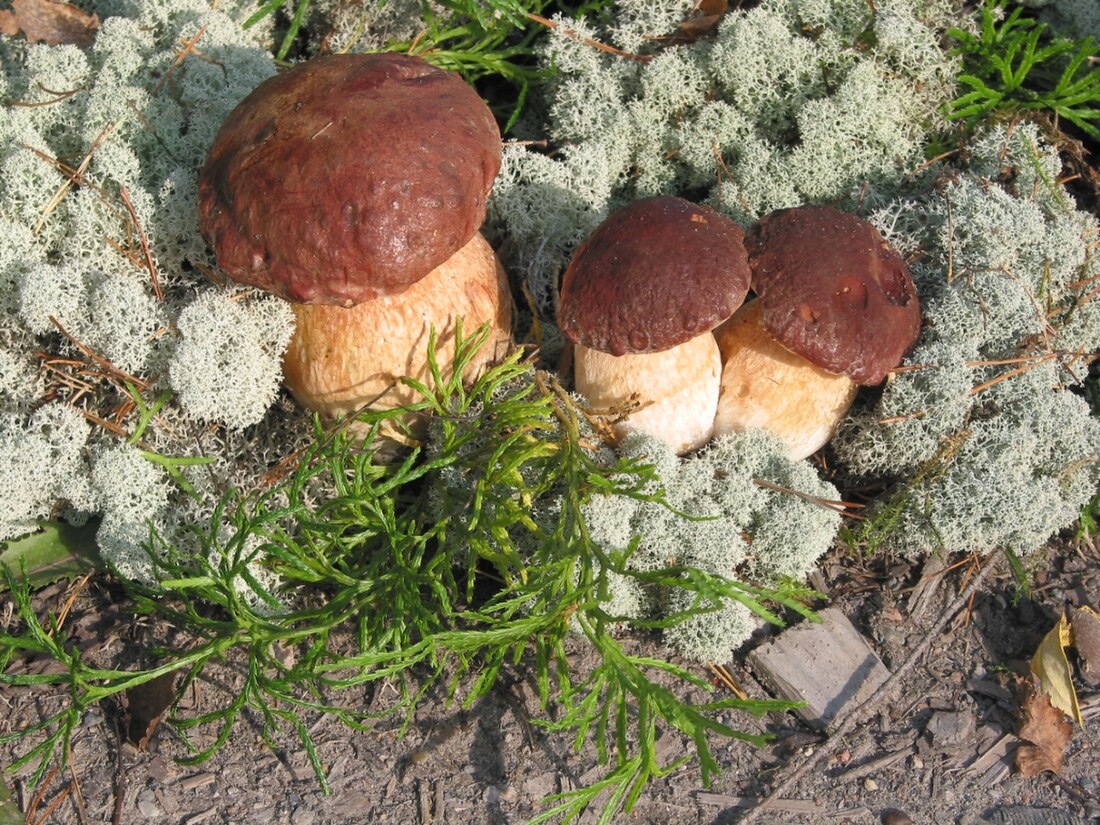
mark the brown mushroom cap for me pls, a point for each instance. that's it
(834, 291)
(348, 177)
(653, 275)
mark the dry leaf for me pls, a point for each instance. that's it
(145, 706)
(1053, 669)
(49, 22)
(708, 14)
(1047, 731)
(1086, 638)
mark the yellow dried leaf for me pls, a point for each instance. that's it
(1052, 668)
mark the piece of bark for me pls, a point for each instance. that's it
(829, 666)
(1086, 638)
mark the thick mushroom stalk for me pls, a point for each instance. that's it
(671, 395)
(640, 299)
(342, 359)
(835, 308)
(764, 385)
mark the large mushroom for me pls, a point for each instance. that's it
(354, 186)
(835, 308)
(639, 300)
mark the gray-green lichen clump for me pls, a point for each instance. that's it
(753, 515)
(992, 444)
(791, 101)
(103, 294)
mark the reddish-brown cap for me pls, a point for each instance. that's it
(653, 275)
(834, 291)
(348, 177)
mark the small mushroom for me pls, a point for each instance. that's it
(639, 301)
(354, 186)
(835, 308)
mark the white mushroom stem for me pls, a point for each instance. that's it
(341, 359)
(671, 395)
(765, 385)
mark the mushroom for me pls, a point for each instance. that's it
(835, 308)
(354, 186)
(639, 301)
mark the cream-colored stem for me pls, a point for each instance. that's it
(671, 395)
(343, 358)
(766, 385)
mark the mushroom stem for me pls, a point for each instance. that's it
(343, 358)
(765, 385)
(671, 395)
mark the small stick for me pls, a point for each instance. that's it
(883, 692)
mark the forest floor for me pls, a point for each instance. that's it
(936, 748)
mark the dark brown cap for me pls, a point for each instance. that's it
(348, 177)
(834, 291)
(653, 275)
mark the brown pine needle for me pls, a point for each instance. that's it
(907, 417)
(110, 426)
(105, 366)
(58, 97)
(188, 47)
(1004, 376)
(572, 35)
(723, 675)
(74, 593)
(144, 240)
(77, 176)
(841, 507)
(1084, 281)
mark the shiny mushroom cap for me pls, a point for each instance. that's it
(653, 275)
(348, 177)
(833, 291)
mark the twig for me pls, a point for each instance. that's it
(883, 692)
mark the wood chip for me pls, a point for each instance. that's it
(195, 819)
(196, 781)
(994, 765)
(829, 666)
